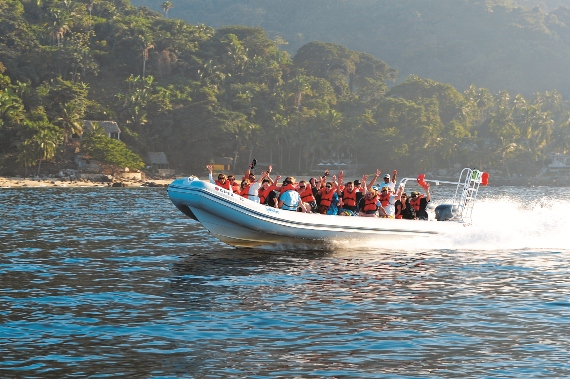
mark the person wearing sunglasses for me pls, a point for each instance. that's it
(403, 208)
(388, 200)
(222, 179)
(234, 184)
(370, 205)
(307, 197)
(329, 198)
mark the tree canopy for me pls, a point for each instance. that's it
(199, 93)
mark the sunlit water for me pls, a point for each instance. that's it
(118, 283)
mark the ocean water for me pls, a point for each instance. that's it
(113, 283)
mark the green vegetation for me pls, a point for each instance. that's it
(110, 152)
(198, 93)
(495, 44)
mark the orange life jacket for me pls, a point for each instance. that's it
(307, 195)
(226, 185)
(415, 202)
(384, 199)
(349, 198)
(327, 197)
(263, 193)
(288, 187)
(244, 192)
(370, 204)
(235, 187)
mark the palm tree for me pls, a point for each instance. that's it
(61, 24)
(70, 121)
(299, 86)
(166, 7)
(26, 155)
(45, 142)
(146, 46)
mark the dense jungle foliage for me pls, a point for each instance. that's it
(495, 44)
(198, 93)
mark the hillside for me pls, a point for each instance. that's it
(522, 50)
(203, 95)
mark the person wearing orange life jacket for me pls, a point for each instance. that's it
(254, 185)
(307, 197)
(234, 184)
(329, 198)
(222, 179)
(369, 205)
(388, 200)
(349, 197)
(267, 186)
(419, 202)
(244, 188)
(251, 190)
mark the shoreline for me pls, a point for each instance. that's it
(17, 182)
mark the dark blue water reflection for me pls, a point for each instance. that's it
(116, 283)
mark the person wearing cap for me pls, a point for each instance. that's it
(390, 183)
(419, 202)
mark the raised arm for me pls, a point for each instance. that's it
(378, 172)
(210, 176)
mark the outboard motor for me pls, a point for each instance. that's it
(445, 212)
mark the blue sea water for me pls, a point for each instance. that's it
(113, 283)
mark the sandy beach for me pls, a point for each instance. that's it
(15, 182)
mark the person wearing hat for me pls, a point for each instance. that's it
(419, 202)
(390, 183)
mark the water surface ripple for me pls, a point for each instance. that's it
(116, 283)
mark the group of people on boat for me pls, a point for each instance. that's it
(332, 197)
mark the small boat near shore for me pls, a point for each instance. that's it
(244, 223)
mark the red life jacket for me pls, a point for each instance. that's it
(235, 187)
(384, 199)
(415, 202)
(370, 204)
(307, 195)
(326, 197)
(226, 185)
(349, 198)
(244, 192)
(263, 193)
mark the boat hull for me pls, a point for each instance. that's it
(240, 222)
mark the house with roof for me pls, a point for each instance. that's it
(111, 128)
(558, 162)
(158, 162)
